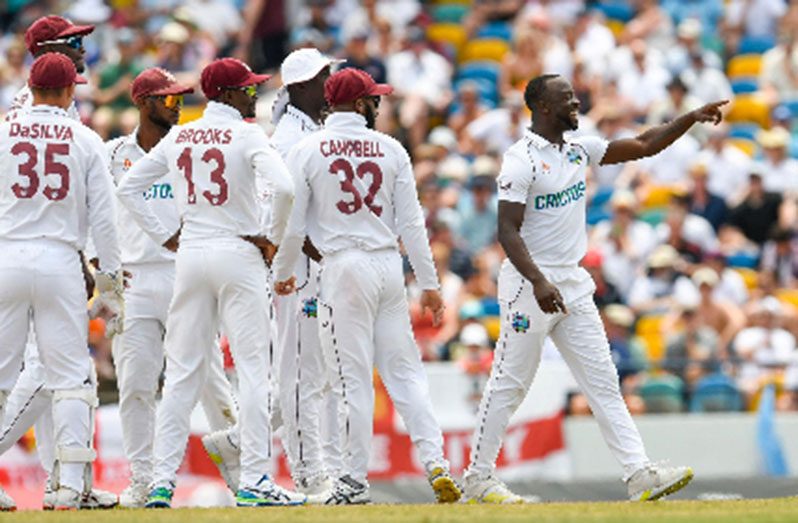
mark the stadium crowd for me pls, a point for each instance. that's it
(694, 251)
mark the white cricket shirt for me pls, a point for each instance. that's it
(54, 183)
(221, 167)
(23, 101)
(550, 180)
(137, 247)
(360, 184)
(293, 126)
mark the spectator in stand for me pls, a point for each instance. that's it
(496, 130)
(778, 77)
(470, 108)
(115, 112)
(731, 287)
(756, 215)
(628, 352)
(422, 79)
(479, 216)
(653, 292)
(727, 166)
(706, 83)
(677, 102)
(263, 39)
(475, 357)
(613, 124)
(623, 241)
(678, 58)
(642, 81)
(484, 11)
(702, 202)
(707, 12)
(524, 61)
(13, 73)
(781, 171)
(606, 293)
(691, 349)
(357, 55)
(750, 18)
(590, 41)
(650, 23)
(724, 317)
(764, 348)
(780, 257)
(690, 234)
(178, 54)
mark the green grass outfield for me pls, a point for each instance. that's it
(784, 509)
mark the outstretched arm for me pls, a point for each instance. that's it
(658, 138)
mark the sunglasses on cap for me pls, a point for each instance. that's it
(75, 42)
(250, 90)
(171, 101)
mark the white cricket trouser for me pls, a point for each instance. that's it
(580, 338)
(306, 401)
(218, 282)
(365, 321)
(30, 404)
(45, 277)
(138, 358)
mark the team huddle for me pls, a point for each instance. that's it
(289, 246)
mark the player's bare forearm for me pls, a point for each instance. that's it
(311, 251)
(659, 137)
(510, 217)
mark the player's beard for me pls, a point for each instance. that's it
(162, 123)
(371, 116)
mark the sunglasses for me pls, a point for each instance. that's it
(250, 90)
(171, 101)
(75, 42)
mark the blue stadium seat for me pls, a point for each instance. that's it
(449, 13)
(743, 259)
(744, 85)
(597, 215)
(755, 44)
(490, 306)
(602, 196)
(663, 394)
(794, 147)
(716, 393)
(746, 131)
(792, 105)
(479, 69)
(500, 30)
(616, 10)
(488, 91)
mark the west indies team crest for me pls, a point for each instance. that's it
(574, 156)
(310, 308)
(520, 322)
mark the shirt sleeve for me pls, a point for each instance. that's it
(294, 238)
(141, 176)
(515, 178)
(273, 182)
(410, 225)
(102, 210)
(595, 147)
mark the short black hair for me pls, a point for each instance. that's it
(536, 88)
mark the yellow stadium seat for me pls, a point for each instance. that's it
(485, 49)
(189, 113)
(749, 108)
(788, 296)
(744, 65)
(750, 277)
(746, 146)
(657, 196)
(452, 34)
(649, 329)
(616, 26)
(493, 325)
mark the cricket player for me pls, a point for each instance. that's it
(55, 185)
(138, 351)
(220, 166)
(30, 403)
(543, 291)
(360, 184)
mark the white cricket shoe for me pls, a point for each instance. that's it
(225, 455)
(64, 499)
(492, 491)
(267, 493)
(443, 484)
(6, 502)
(98, 499)
(317, 488)
(135, 495)
(654, 482)
(347, 491)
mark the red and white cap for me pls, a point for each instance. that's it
(347, 85)
(52, 27)
(53, 71)
(156, 82)
(228, 72)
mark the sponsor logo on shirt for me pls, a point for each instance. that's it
(159, 191)
(505, 186)
(127, 164)
(562, 198)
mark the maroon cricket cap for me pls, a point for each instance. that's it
(53, 71)
(156, 82)
(228, 72)
(349, 84)
(52, 28)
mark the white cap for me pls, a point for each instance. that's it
(474, 334)
(303, 65)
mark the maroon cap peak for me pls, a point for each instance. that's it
(225, 73)
(52, 27)
(156, 82)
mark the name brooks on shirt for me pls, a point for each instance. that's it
(208, 136)
(46, 131)
(357, 148)
(562, 198)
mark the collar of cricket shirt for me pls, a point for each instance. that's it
(52, 109)
(304, 120)
(218, 108)
(345, 119)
